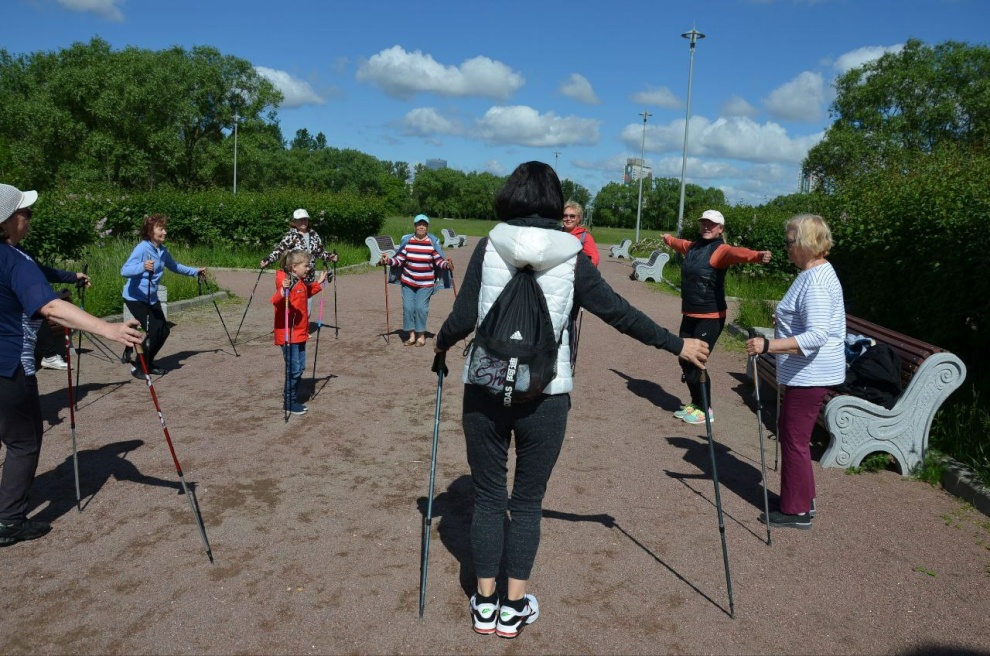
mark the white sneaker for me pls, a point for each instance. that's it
(485, 615)
(511, 621)
(54, 362)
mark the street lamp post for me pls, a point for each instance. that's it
(556, 154)
(237, 119)
(642, 155)
(694, 35)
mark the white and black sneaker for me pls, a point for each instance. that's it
(54, 362)
(484, 613)
(511, 621)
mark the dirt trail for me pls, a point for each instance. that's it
(315, 523)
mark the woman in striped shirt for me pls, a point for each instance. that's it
(808, 342)
(420, 260)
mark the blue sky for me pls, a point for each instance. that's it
(487, 85)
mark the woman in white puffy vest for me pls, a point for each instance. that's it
(530, 205)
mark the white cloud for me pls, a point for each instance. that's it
(297, 92)
(402, 74)
(524, 126)
(801, 99)
(736, 106)
(659, 96)
(860, 56)
(495, 167)
(425, 121)
(578, 88)
(109, 9)
(734, 137)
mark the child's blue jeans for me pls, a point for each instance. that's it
(295, 359)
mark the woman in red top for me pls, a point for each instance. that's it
(573, 218)
(292, 321)
(703, 296)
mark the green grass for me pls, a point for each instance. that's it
(960, 429)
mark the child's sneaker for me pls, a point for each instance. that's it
(297, 409)
(685, 409)
(511, 621)
(696, 416)
(484, 613)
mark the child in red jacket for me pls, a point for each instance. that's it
(292, 320)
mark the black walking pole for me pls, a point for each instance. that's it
(81, 286)
(193, 504)
(387, 326)
(336, 322)
(759, 423)
(248, 306)
(440, 367)
(72, 415)
(703, 379)
(201, 280)
(577, 341)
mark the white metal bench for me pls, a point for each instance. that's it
(451, 239)
(378, 245)
(650, 268)
(621, 249)
(859, 428)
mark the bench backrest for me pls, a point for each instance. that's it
(912, 351)
(385, 242)
(653, 258)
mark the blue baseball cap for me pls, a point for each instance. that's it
(421, 218)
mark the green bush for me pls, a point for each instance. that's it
(68, 225)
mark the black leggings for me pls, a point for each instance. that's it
(488, 428)
(707, 330)
(153, 321)
(20, 432)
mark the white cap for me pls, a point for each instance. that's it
(13, 199)
(714, 216)
(300, 214)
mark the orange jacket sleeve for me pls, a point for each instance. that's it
(725, 256)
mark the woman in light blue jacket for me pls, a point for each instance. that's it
(143, 270)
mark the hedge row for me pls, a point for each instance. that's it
(66, 224)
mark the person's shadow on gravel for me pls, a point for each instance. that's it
(56, 487)
(647, 389)
(734, 474)
(454, 508)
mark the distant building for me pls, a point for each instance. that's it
(635, 166)
(808, 182)
(436, 164)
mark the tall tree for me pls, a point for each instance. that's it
(901, 104)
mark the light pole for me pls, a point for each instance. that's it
(694, 35)
(237, 119)
(642, 155)
(556, 154)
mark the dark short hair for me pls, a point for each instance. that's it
(149, 225)
(533, 189)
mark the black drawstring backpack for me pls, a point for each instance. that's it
(514, 351)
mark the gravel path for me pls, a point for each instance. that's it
(315, 523)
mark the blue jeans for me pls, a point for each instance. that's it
(415, 308)
(295, 359)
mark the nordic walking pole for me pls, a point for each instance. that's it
(577, 340)
(703, 379)
(440, 367)
(193, 504)
(126, 357)
(319, 326)
(285, 346)
(82, 306)
(387, 324)
(250, 298)
(72, 416)
(336, 322)
(201, 280)
(759, 423)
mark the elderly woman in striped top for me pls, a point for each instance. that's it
(808, 342)
(420, 259)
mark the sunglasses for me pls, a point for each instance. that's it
(789, 242)
(570, 216)
(26, 213)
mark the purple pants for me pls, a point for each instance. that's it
(798, 413)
